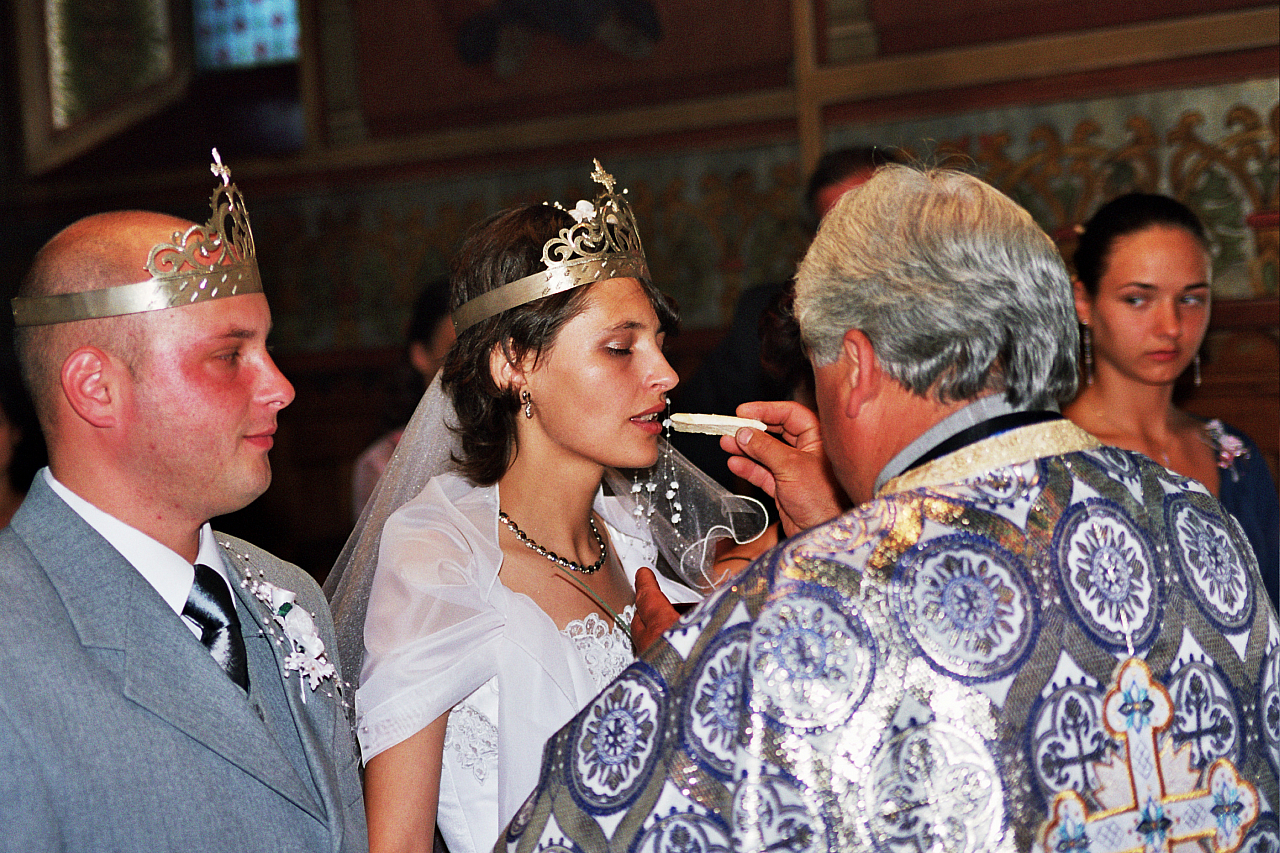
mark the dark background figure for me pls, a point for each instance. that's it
(499, 32)
(760, 357)
(22, 450)
(427, 339)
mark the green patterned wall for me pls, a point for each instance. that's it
(342, 268)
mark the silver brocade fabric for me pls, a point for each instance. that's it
(933, 671)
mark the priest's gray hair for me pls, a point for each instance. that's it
(956, 287)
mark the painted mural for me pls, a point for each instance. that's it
(344, 267)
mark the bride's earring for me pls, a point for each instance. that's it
(528, 403)
(1195, 370)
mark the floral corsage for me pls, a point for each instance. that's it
(1229, 447)
(308, 656)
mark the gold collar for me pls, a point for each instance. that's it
(1050, 438)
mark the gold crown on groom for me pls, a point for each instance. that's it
(210, 261)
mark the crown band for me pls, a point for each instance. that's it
(602, 244)
(210, 261)
(150, 295)
(545, 283)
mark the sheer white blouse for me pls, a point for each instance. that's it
(443, 632)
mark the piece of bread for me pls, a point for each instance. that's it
(712, 424)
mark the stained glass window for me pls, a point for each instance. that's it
(244, 33)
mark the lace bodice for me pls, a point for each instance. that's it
(473, 738)
(604, 646)
(471, 735)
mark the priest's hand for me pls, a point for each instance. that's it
(792, 467)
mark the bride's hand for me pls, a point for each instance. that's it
(654, 613)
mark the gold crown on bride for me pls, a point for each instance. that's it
(210, 261)
(603, 243)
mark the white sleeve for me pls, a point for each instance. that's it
(431, 634)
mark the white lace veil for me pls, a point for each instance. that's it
(687, 511)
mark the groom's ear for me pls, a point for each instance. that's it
(90, 383)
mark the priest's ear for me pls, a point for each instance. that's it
(857, 372)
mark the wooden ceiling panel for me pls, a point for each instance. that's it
(413, 79)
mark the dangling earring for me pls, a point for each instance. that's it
(1088, 354)
(1195, 370)
(528, 403)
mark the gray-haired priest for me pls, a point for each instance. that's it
(162, 687)
(1017, 639)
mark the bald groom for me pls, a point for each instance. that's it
(164, 687)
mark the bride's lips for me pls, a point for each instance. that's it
(650, 420)
(1163, 355)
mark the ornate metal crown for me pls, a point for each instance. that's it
(603, 244)
(209, 261)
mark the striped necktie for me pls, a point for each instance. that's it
(211, 607)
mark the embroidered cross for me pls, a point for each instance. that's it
(1137, 709)
(1077, 749)
(1206, 722)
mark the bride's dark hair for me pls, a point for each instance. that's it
(501, 249)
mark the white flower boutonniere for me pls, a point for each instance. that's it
(308, 656)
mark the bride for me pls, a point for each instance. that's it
(502, 592)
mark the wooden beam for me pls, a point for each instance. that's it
(816, 87)
(1047, 56)
(805, 67)
(566, 130)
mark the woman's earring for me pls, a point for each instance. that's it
(1195, 370)
(1088, 354)
(528, 403)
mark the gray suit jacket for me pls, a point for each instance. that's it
(119, 732)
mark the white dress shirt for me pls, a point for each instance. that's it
(165, 569)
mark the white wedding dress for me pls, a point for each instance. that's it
(444, 634)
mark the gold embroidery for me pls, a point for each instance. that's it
(1051, 438)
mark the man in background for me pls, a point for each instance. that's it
(758, 358)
